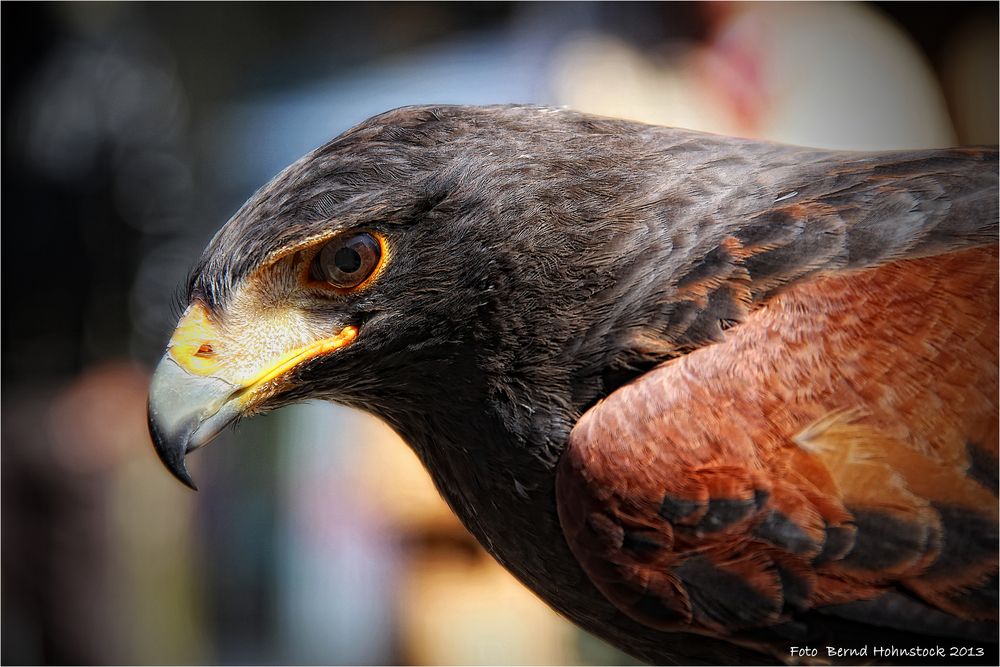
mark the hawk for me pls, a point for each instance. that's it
(713, 399)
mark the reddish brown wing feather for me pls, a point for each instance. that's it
(839, 443)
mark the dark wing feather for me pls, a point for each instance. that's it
(835, 454)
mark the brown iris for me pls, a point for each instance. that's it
(346, 261)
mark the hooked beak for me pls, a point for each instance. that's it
(202, 383)
(185, 412)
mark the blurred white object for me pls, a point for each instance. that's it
(818, 74)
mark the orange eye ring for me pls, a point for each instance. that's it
(346, 261)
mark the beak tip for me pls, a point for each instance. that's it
(188, 482)
(180, 472)
(184, 477)
(172, 457)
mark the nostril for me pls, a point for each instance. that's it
(205, 350)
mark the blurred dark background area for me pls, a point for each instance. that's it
(131, 132)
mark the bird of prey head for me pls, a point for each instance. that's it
(439, 267)
(483, 278)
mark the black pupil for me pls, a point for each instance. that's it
(347, 260)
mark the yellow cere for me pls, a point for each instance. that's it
(195, 343)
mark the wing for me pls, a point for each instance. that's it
(835, 455)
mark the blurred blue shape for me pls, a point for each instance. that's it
(261, 136)
(337, 566)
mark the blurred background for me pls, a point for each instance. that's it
(131, 132)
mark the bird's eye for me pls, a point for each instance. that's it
(346, 261)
